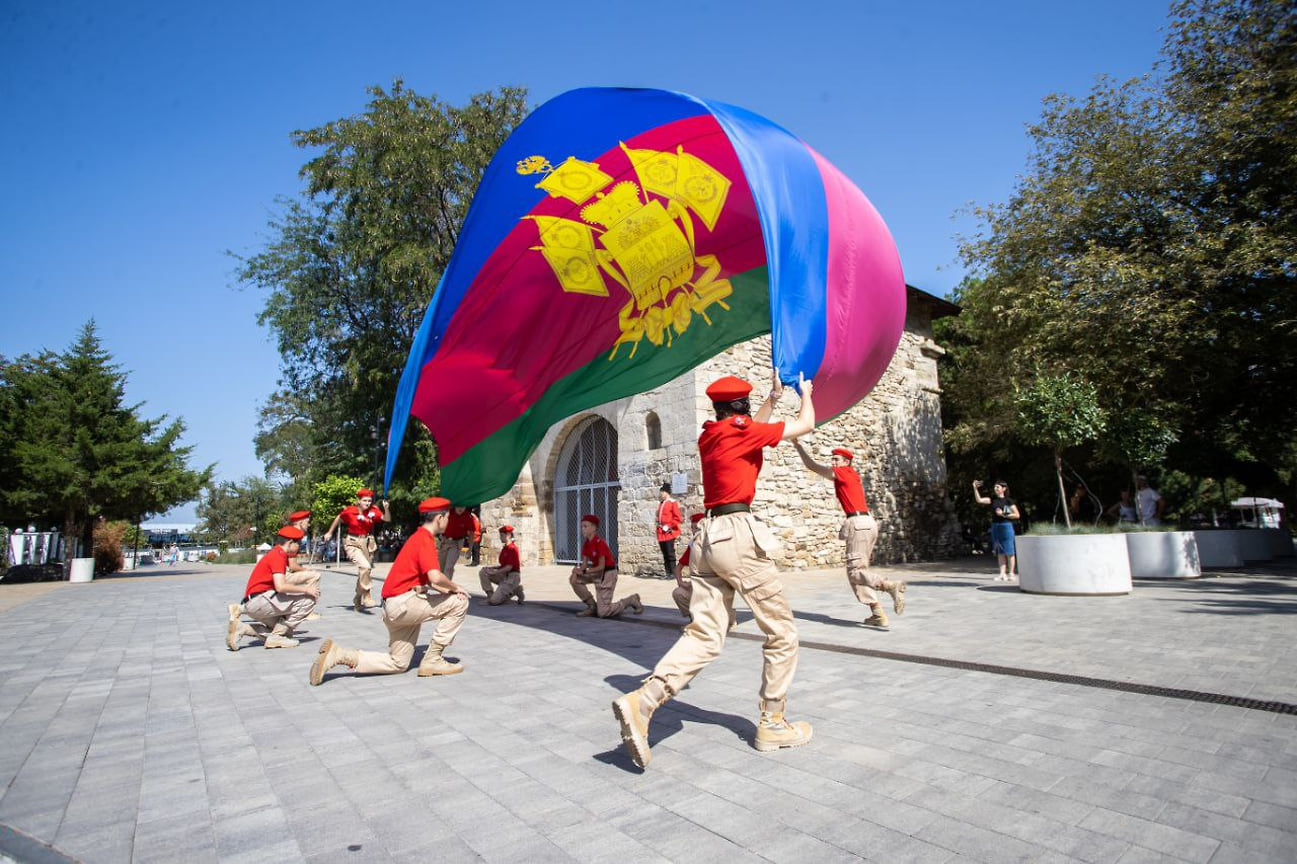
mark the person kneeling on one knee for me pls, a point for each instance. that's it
(414, 593)
(276, 606)
(505, 581)
(598, 567)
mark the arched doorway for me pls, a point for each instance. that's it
(585, 481)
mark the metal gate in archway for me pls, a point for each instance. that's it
(585, 481)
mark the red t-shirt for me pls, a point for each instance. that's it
(684, 558)
(459, 525)
(668, 515)
(731, 457)
(509, 558)
(594, 549)
(850, 492)
(361, 522)
(263, 575)
(410, 569)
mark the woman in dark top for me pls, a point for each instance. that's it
(1004, 512)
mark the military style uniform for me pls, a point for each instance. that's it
(359, 546)
(459, 526)
(603, 580)
(409, 601)
(505, 581)
(275, 614)
(860, 532)
(732, 553)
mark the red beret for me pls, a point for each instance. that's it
(504, 528)
(728, 389)
(696, 518)
(298, 514)
(288, 532)
(591, 518)
(843, 452)
(365, 493)
(433, 505)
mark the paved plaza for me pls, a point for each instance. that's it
(986, 725)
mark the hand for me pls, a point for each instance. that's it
(326, 537)
(776, 386)
(805, 385)
(977, 484)
(460, 590)
(313, 592)
(384, 503)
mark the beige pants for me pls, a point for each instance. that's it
(404, 616)
(604, 586)
(303, 578)
(734, 553)
(447, 554)
(508, 584)
(682, 595)
(861, 533)
(360, 551)
(278, 613)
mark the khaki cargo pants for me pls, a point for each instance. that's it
(604, 586)
(360, 551)
(508, 584)
(404, 616)
(861, 533)
(447, 554)
(734, 553)
(278, 613)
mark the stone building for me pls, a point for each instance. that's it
(612, 459)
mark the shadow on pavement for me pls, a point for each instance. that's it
(1269, 596)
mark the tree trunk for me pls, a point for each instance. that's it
(1062, 493)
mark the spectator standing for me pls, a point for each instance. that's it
(668, 528)
(1004, 513)
(1148, 502)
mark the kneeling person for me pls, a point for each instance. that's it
(414, 592)
(505, 581)
(277, 606)
(599, 568)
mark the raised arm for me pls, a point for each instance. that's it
(823, 470)
(805, 421)
(767, 408)
(332, 527)
(977, 493)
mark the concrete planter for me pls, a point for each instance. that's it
(1280, 542)
(83, 570)
(1254, 544)
(1218, 549)
(1163, 555)
(1073, 564)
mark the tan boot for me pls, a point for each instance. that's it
(587, 611)
(878, 619)
(277, 641)
(633, 604)
(897, 590)
(331, 654)
(774, 732)
(232, 633)
(236, 611)
(633, 711)
(434, 664)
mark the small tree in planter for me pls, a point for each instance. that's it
(1138, 440)
(1059, 411)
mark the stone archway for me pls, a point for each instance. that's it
(585, 481)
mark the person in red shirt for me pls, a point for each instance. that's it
(414, 592)
(459, 528)
(476, 548)
(361, 520)
(668, 527)
(732, 552)
(860, 531)
(598, 567)
(276, 606)
(505, 581)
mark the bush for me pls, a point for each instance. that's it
(243, 556)
(108, 546)
(211, 557)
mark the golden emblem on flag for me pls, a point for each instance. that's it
(643, 244)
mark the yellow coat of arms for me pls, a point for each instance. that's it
(643, 246)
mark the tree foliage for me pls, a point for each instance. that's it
(72, 450)
(243, 513)
(330, 495)
(1150, 248)
(351, 266)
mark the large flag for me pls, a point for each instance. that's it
(618, 239)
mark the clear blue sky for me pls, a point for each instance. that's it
(142, 141)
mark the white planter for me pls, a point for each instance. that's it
(1217, 549)
(1280, 542)
(1254, 544)
(1163, 555)
(1076, 564)
(83, 570)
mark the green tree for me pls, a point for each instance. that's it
(241, 513)
(1059, 412)
(330, 495)
(352, 265)
(76, 452)
(1151, 249)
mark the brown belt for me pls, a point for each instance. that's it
(726, 509)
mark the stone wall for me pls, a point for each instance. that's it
(895, 433)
